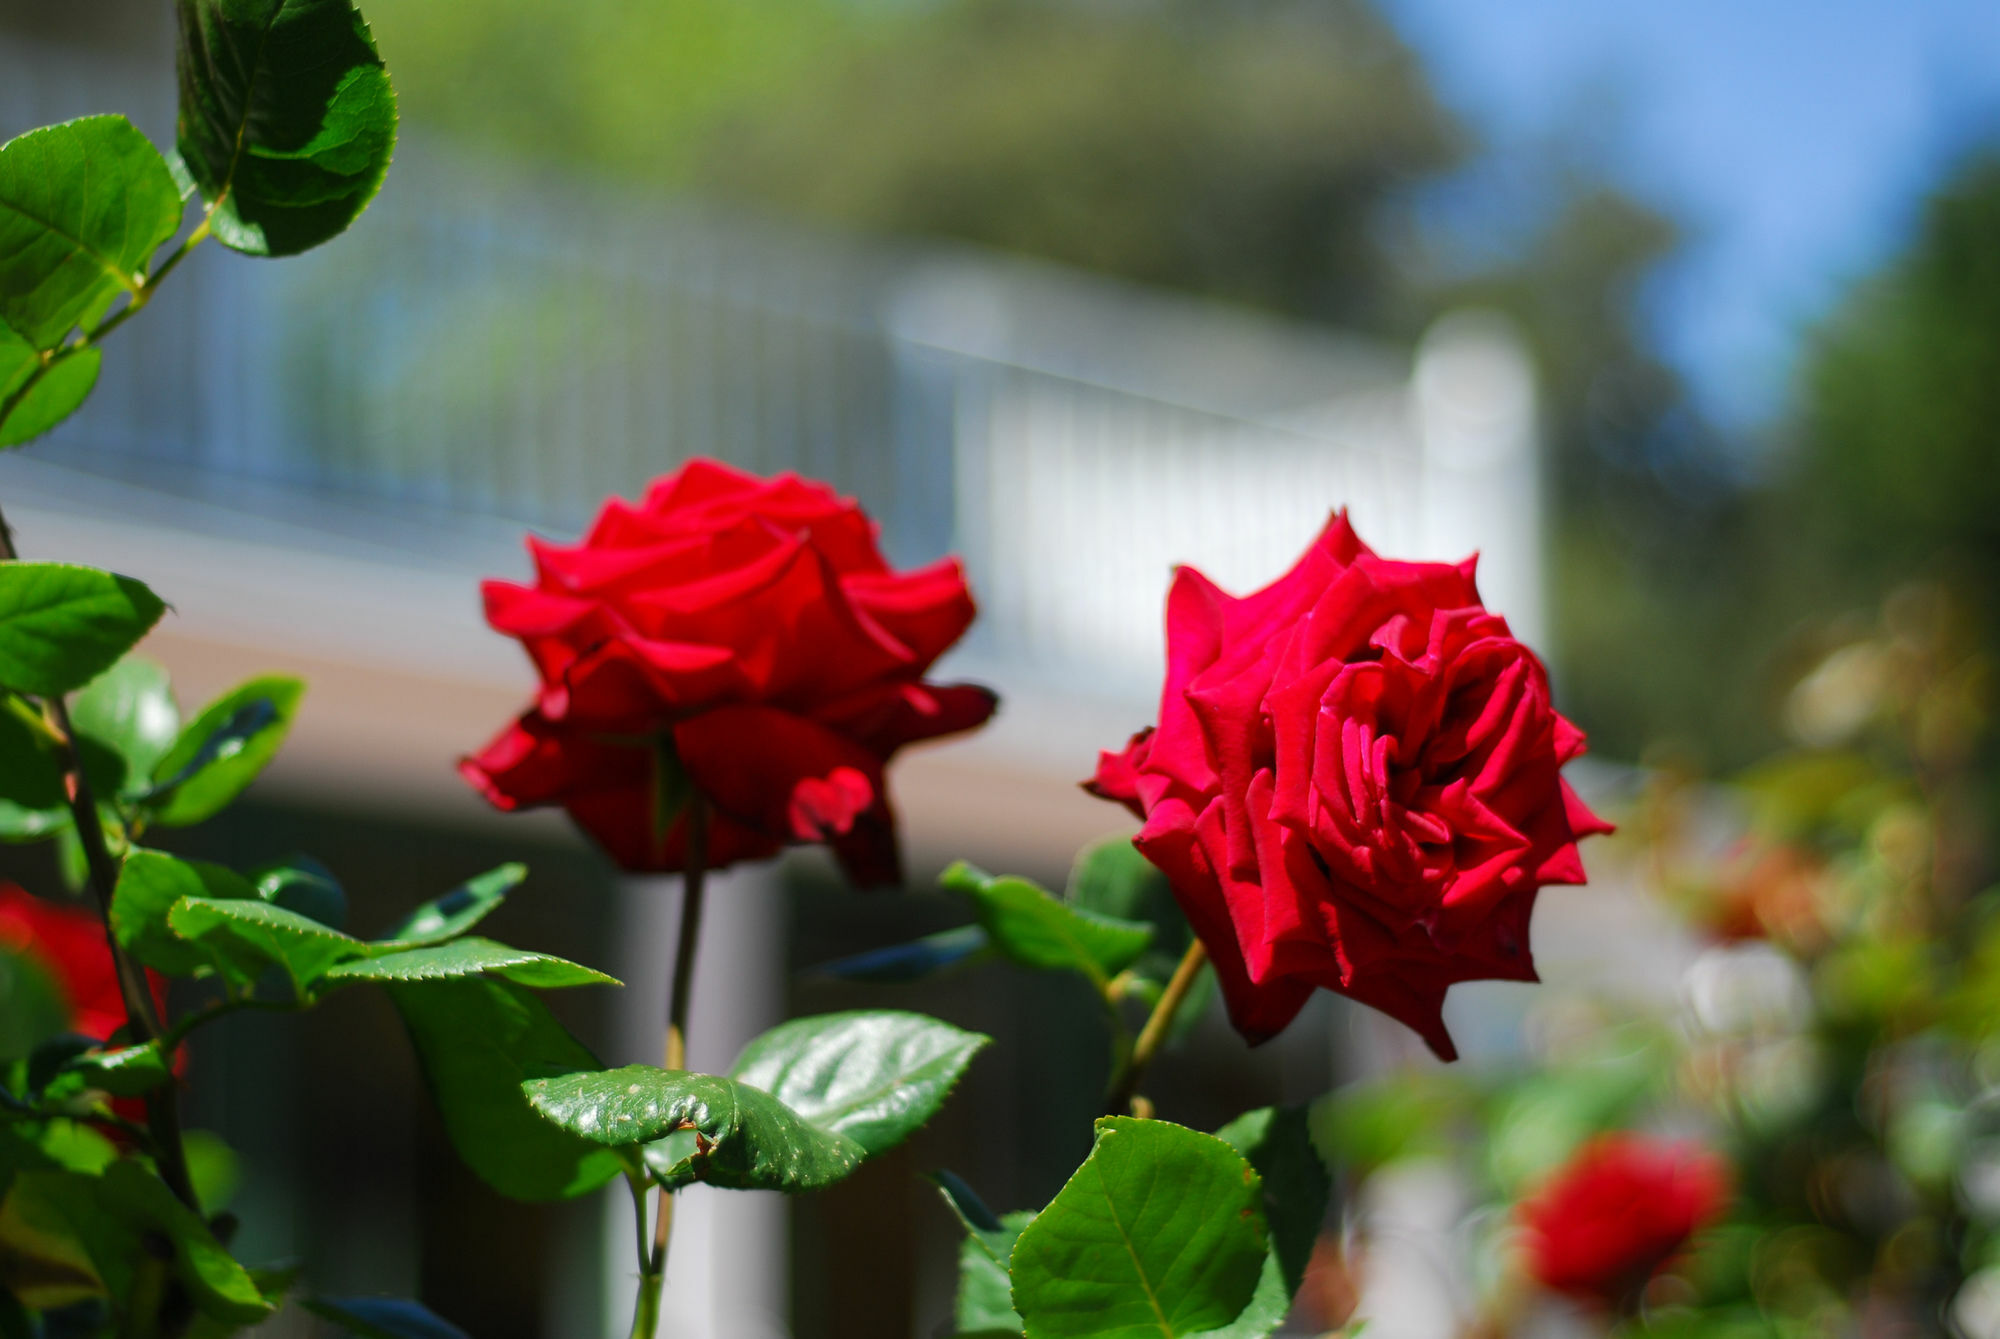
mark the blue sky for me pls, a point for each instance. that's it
(1794, 139)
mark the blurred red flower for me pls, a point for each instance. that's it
(1619, 1210)
(740, 636)
(68, 943)
(1355, 784)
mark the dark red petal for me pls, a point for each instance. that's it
(753, 762)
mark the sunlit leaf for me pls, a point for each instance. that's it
(83, 206)
(287, 119)
(62, 625)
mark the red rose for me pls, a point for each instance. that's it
(68, 943)
(1355, 783)
(739, 635)
(1604, 1224)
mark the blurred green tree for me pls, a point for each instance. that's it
(1898, 464)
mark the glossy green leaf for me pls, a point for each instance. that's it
(749, 1139)
(53, 397)
(30, 773)
(383, 1318)
(457, 911)
(222, 750)
(873, 1076)
(301, 884)
(985, 1303)
(113, 1217)
(1036, 929)
(130, 712)
(287, 119)
(469, 957)
(83, 206)
(1159, 1234)
(479, 1039)
(125, 1072)
(914, 961)
(62, 625)
(150, 883)
(235, 929)
(1278, 1143)
(804, 1104)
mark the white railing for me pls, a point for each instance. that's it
(522, 348)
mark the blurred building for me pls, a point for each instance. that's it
(314, 461)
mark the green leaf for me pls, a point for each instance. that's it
(303, 885)
(112, 1217)
(150, 884)
(479, 1039)
(914, 961)
(1278, 1143)
(125, 1072)
(30, 774)
(130, 712)
(56, 394)
(61, 625)
(215, 1171)
(1036, 929)
(287, 119)
(18, 824)
(457, 911)
(32, 1006)
(83, 206)
(804, 1104)
(1111, 878)
(238, 929)
(985, 1303)
(748, 1139)
(1159, 1234)
(383, 1318)
(469, 957)
(874, 1076)
(223, 750)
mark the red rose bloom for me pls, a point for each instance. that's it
(739, 635)
(68, 943)
(1355, 783)
(1604, 1224)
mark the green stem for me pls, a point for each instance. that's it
(680, 993)
(652, 1265)
(163, 1104)
(142, 293)
(1154, 1034)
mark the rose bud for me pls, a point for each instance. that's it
(1355, 783)
(736, 637)
(1616, 1213)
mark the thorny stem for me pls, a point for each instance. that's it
(163, 1103)
(1158, 1023)
(653, 1263)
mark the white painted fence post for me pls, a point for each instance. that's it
(727, 1272)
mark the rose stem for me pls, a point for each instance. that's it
(653, 1267)
(163, 1103)
(1155, 1032)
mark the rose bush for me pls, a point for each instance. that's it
(1355, 784)
(1617, 1212)
(734, 636)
